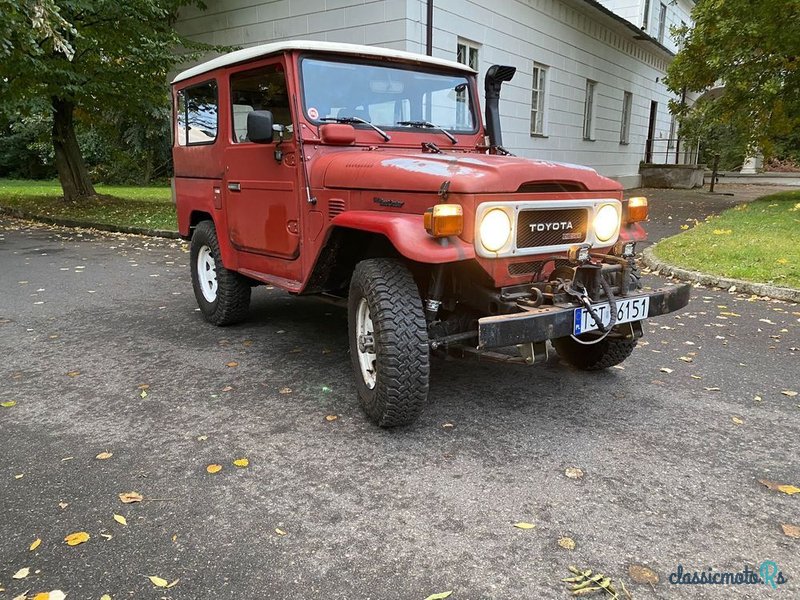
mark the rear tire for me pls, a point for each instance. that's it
(602, 355)
(385, 316)
(222, 295)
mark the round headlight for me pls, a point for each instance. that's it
(495, 229)
(606, 222)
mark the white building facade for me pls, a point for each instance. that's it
(589, 85)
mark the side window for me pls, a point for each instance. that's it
(198, 109)
(259, 89)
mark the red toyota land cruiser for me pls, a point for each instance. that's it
(366, 175)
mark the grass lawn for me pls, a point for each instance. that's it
(759, 241)
(131, 206)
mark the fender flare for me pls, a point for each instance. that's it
(407, 234)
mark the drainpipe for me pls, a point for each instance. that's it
(429, 29)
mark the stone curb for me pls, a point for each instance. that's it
(747, 287)
(21, 214)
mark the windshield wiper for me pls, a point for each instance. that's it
(429, 125)
(352, 120)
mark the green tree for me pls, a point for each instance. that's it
(88, 57)
(752, 49)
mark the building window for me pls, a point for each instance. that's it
(672, 131)
(588, 110)
(662, 22)
(646, 15)
(625, 127)
(467, 53)
(197, 114)
(538, 100)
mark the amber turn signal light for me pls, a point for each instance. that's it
(637, 209)
(444, 219)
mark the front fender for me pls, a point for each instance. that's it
(407, 234)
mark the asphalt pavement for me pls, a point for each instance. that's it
(105, 352)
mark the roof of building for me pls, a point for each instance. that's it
(247, 54)
(639, 33)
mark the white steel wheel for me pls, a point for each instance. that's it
(207, 273)
(365, 338)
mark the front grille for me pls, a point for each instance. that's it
(551, 227)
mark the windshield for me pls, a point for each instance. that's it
(385, 95)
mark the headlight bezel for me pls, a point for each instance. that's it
(495, 249)
(513, 208)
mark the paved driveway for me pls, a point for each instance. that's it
(87, 320)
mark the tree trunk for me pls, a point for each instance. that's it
(72, 171)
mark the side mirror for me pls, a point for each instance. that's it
(259, 126)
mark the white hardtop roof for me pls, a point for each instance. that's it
(246, 54)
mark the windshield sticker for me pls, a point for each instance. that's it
(313, 113)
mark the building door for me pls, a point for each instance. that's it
(260, 182)
(651, 132)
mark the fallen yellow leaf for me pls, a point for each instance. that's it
(791, 530)
(440, 595)
(280, 531)
(573, 472)
(73, 373)
(524, 525)
(104, 455)
(642, 574)
(737, 420)
(158, 581)
(331, 417)
(120, 519)
(21, 574)
(232, 364)
(105, 597)
(42, 596)
(36, 543)
(241, 462)
(79, 537)
(214, 468)
(790, 393)
(8, 404)
(130, 497)
(285, 390)
(779, 487)
(567, 543)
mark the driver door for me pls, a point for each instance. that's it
(260, 183)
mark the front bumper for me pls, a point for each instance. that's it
(551, 322)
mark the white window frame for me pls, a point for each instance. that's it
(646, 15)
(589, 110)
(673, 128)
(625, 124)
(471, 50)
(539, 101)
(662, 22)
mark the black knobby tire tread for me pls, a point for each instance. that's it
(603, 355)
(401, 334)
(233, 290)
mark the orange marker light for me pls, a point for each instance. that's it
(637, 209)
(444, 219)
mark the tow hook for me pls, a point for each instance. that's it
(366, 344)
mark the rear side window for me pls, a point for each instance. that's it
(198, 110)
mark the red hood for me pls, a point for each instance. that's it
(467, 173)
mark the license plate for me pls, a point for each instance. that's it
(629, 309)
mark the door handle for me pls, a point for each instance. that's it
(235, 186)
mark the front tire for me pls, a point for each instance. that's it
(388, 342)
(596, 357)
(222, 295)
